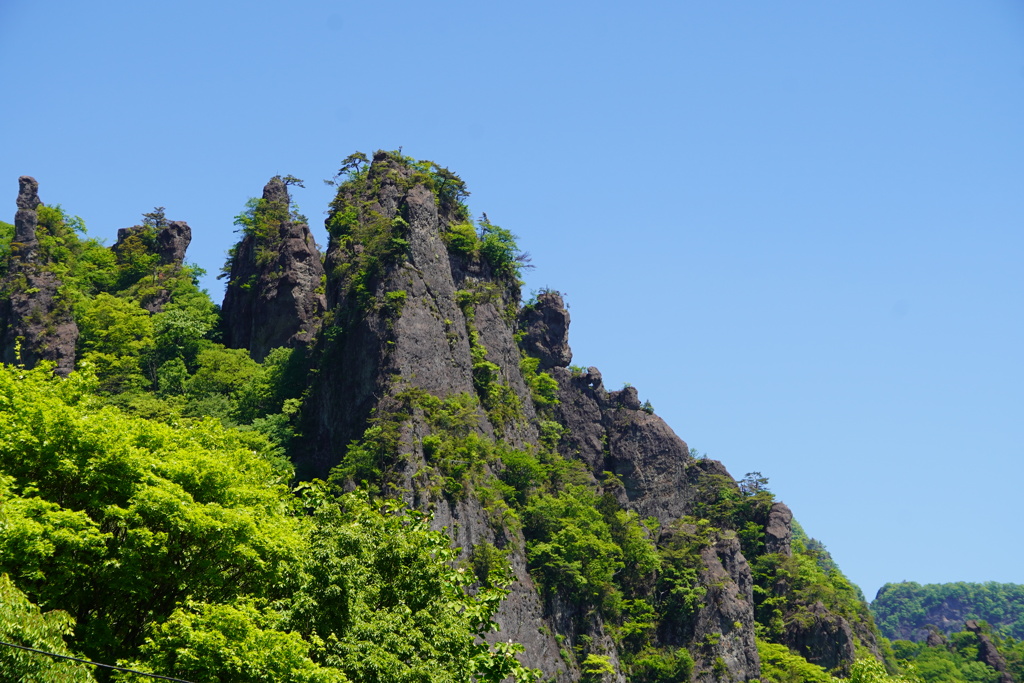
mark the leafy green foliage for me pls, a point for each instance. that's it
(180, 551)
(570, 546)
(493, 244)
(385, 597)
(900, 608)
(595, 667)
(498, 247)
(869, 670)
(6, 237)
(117, 338)
(235, 642)
(946, 665)
(786, 587)
(681, 593)
(263, 221)
(22, 623)
(152, 514)
(543, 387)
(662, 666)
(779, 665)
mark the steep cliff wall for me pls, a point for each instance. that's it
(275, 291)
(423, 312)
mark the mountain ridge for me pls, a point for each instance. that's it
(418, 374)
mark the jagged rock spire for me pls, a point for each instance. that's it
(545, 326)
(275, 293)
(35, 324)
(26, 219)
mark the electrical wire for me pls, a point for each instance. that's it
(86, 661)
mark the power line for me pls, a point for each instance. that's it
(86, 661)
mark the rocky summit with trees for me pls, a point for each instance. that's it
(376, 464)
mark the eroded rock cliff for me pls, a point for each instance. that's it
(275, 293)
(419, 312)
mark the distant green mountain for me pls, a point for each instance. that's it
(907, 610)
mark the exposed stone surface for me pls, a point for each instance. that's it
(420, 317)
(26, 219)
(725, 626)
(611, 433)
(936, 639)
(720, 636)
(987, 652)
(545, 327)
(36, 323)
(384, 345)
(275, 293)
(821, 637)
(167, 240)
(170, 241)
(778, 533)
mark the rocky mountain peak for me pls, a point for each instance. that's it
(28, 193)
(276, 191)
(275, 293)
(36, 323)
(545, 328)
(26, 218)
(778, 533)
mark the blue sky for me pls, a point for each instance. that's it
(795, 227)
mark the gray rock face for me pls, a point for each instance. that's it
(405, 313)
(275, 294)
(987, 652)
(545, 327)
(824, 638)
(778, 533)
(36, 322)
(936, 639)
(169, 242)
(724, 631)
(26, 219)
(611, 433)
(400, 327)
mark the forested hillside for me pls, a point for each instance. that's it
(910, 611)
(365, 461)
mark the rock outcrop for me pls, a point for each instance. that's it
(404, 316)
(168, 241)
(821, 637)
(545, 330)
(35, 320)
(987, 652)
(407, 314)
(778, 533)
(936, 639)
(137, 245)
(275, 293)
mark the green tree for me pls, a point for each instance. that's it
(118, 520)
(384, 595)
(116, 337)
(233, 643)
(22, 623)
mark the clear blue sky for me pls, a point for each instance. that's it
(795, 227)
